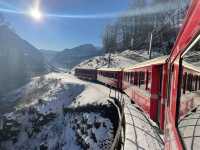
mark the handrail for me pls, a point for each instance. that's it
(118, 141)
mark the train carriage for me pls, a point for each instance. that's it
(86, 74)
(143, 84)
(190, 88)
(110, 76)
(182, 79)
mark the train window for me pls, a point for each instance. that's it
(142, 80)
(190, 93)
(136, 79)
(147, 80)
(132, 78)
(189, 100)
(129, 77)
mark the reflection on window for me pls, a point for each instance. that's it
(189, 109)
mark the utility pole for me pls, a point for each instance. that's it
(150, 44)
(132, 40)
(109, 58)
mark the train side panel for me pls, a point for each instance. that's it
(86, 74)
(143, 86)
(111, 78)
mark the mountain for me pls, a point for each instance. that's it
(69, 58)
(19, 60)
(48, 54)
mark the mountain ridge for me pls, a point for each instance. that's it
(19, 60)
(68, 58)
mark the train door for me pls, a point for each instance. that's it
(172, 140)
(160, 69)
(155, 98)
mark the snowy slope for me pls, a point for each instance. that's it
(124, 59)
(19, 60)
(47, 115)
(118, 60)
(66, 113)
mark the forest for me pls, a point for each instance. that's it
(146, 25)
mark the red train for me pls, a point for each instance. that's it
(111, 77)
(86, 74)
(143, 84)
(167, 88)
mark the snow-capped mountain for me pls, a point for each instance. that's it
(68, 58)
(19, 60)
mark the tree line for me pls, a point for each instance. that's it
(160, 19)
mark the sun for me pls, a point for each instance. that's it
(36, 14)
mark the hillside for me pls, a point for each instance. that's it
(58, 111)
(48, 54)
(123, 59)
(69, 58)
(19, 60)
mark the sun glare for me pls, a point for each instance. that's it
(36, 14)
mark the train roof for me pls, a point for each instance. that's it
(86, 68)
(109, 69)
(155, 61)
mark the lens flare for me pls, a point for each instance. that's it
(35, 13)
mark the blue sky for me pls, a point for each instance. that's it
(59, 33)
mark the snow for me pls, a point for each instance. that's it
(48, 114)
(40, 119)
(123, 59)
(141, 131)
(189, 128)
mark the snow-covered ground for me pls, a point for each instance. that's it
(189, 129)
(59, 111)
(43, 117)
(141, 132)
(124, 59)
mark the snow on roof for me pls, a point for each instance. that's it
(109, 69)
(156, 61)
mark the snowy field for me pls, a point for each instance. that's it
(52, 112)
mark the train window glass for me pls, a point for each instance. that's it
(147, 80)
(136, 78)
(132, 78)
(189, 94)
(142, 80)
(129, 77)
